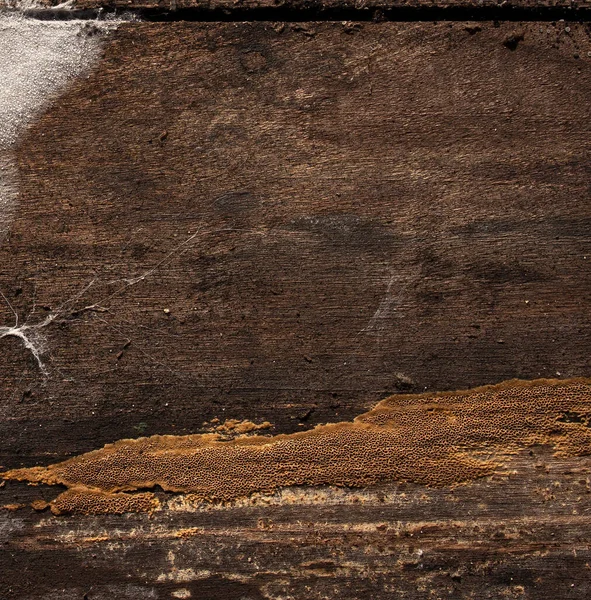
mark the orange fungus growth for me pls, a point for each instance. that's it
(430, 439)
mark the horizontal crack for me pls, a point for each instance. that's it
(311, 13)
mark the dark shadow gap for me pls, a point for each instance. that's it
(312, 12)
(22, 494)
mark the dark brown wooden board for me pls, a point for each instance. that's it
(289, 222)
(341, 215)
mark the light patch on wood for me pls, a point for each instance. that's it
(235, 427)
(39, 59)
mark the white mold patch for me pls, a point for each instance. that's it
(39, 58)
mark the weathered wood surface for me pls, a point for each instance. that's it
(289, 222)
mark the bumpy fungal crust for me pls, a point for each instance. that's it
(234, 427)
(81, 500)
(431, 439)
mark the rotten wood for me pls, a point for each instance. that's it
(522, 535)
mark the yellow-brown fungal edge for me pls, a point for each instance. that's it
(432, 439)
(87, 501)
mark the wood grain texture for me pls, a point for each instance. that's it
(328, 217)
(287, 223)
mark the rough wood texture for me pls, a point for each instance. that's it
(328, 216)
(524, 535)
(289, 222)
